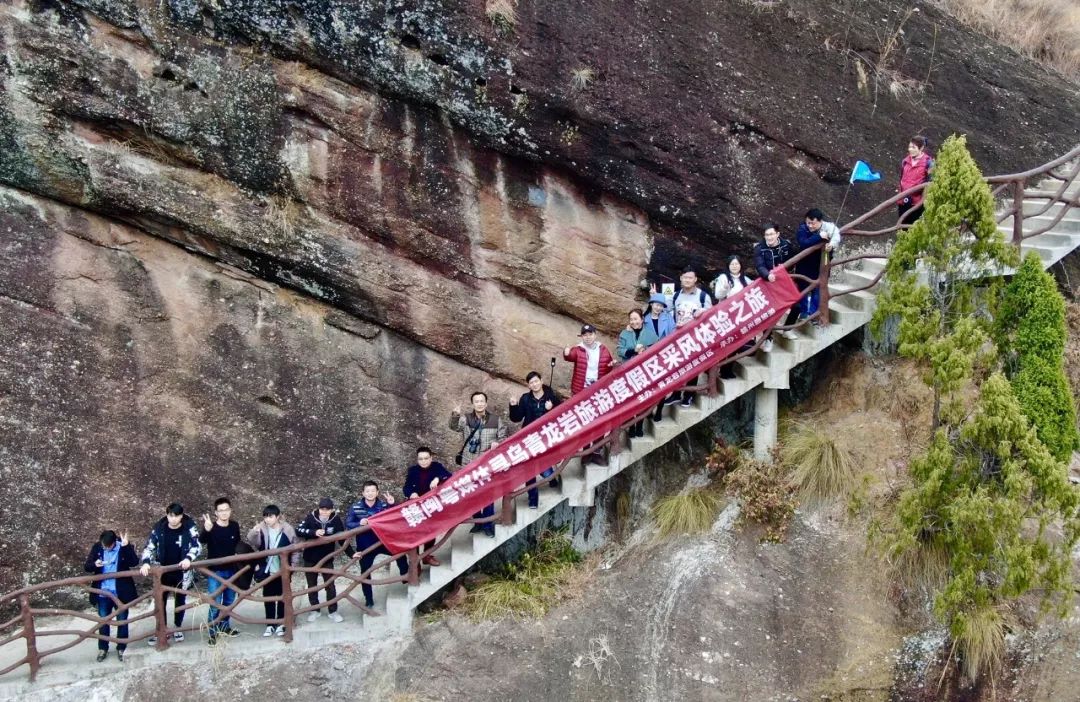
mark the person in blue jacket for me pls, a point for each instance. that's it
(368, 506)
(813, 231)
(422, 477)
(112, 555)
(633, 340)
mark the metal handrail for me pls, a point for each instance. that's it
(21, 598)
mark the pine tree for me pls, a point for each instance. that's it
(986, 494)
(1030, 332)
(937, 273)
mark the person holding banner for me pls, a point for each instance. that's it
(769, 253)
(482, 430)
(421, 478)
(527, 409)
(364, 509)
(634, 340)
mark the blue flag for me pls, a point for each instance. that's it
(862, 171)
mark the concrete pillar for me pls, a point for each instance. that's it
(765, 418)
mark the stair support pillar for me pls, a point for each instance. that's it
(765, 421)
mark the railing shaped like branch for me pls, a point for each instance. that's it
(24, 625)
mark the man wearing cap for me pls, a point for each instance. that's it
(591, 360)
(422, 477)
(320, 522)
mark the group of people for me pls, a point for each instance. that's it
(179, 539)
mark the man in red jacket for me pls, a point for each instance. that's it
(591, 360)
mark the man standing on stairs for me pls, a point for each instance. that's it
(174, 540)
(591, 361)
(769, 253)
(420, 479)
(221, 534)
(812, 232)
(368, 506)
(687, 303)
(482, 430)
(320, 522)
(527, 409)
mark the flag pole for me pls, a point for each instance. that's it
(842, 203)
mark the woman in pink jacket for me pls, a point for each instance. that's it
(914, 169)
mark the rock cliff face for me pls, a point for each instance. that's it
(262, 247)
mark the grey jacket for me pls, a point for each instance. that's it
(493, 430)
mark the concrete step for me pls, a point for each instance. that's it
(1069, 223)
(1042, 207)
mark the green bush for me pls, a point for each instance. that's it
(688, 512)
(1030, 331)
(821, 468)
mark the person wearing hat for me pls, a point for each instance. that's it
(633, 340)
(656, 316)
(422, 477)
(591, 360)
(320, 522)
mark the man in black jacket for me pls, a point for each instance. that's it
(174, 540)
(421, 478)
(320, 522)
(109, 555)
(221, 536)
(769, 253)
(527, 409)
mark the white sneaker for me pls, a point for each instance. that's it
(336, 618)
(269, 631)
(314, 616)
(767, 346)
(280, 631)
(790, 334)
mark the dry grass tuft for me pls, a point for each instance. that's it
(1045, 30)
(582, 78)
(822, 468)
(688, 512)
(502, 14)
(980, 641)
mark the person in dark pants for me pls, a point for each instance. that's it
(112, 555)
(320, 522)
(773, 251)
(633, 340)
(481, 431)
(272, 533)
(421, 478)
(813, 231)
(174, 540)
(221, 534)
(916, 168)
(368, 506)
(527, 409)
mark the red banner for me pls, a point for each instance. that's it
(607, 404)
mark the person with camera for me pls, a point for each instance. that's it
(532, 405)
(108, 555)
(482, 430)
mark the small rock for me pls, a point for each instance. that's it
(339, 664)
(456, 597)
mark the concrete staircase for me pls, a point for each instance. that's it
(763, 371)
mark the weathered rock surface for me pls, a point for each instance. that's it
(261, 247)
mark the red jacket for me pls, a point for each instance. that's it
(580, 359)
(911, 174)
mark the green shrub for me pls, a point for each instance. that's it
(766, 496)
(821, 468)
(1030, 331)
(688, 512)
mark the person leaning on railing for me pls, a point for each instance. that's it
(814, 230)
(112, 555)
(773, 251)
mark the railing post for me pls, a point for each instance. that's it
(286, 595)
(1018, 212)
(160, 627)
(506, 514)
(713, 376)
(33, 659)
(414, 566)
(823, 291)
